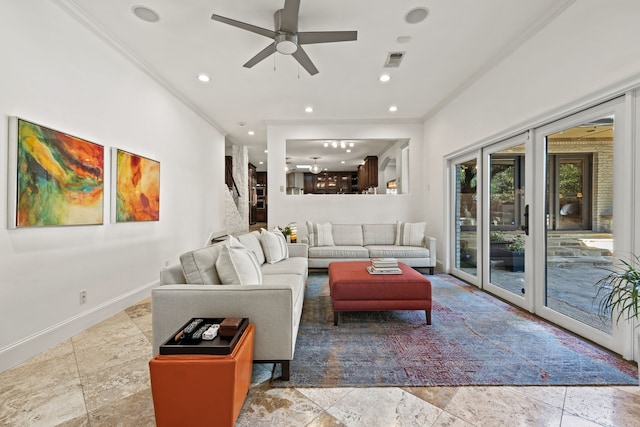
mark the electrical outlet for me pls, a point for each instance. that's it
(83, 297)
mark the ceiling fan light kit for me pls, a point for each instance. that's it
(286, 37)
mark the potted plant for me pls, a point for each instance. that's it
(286, 231)
(619, 291)
(511, 253)
(516, 247)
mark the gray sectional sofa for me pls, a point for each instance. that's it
(274, 306)
(350, 242)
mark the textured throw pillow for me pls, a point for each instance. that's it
(199, 266)
(233, 242)
(274, 245)
(320, 234)
(238, 266)
(410, 234)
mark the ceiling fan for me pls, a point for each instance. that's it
(286, 38)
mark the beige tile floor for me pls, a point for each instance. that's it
(100, 377)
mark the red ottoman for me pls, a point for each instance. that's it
(354, 289)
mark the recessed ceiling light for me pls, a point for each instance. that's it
(145, 14)
(308, 109)
(385, 78)
(204, 78)
(261, 163)
(348, 150)
(351, 144)
(251, 132)
(342, 162)
(416, 15)
(393, 108)
(266, 151)
(326, 144)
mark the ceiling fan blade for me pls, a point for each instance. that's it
(244, 26)
(267, 51)
(311, 37)
(289, 17)
(304, 60)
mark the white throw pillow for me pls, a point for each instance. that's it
(410, 234)
(199, 266)
(238, 266)
(274, 245)
(320, 234)
(233, 242)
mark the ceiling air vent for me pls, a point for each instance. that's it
(394, 59)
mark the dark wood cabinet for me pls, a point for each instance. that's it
(309, 183)
(253, 199)
(368, 173)
(261, 197)
(330, 183)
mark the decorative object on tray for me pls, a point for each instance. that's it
(384, 266)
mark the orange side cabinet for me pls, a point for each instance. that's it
(202, 390)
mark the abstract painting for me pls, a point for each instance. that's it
(59, 179)
(137, 187)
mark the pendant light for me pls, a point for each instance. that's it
(316, 168)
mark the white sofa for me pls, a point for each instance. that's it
(275, 306)
(350, 242)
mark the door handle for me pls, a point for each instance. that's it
(525, 227)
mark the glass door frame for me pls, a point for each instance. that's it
(623, 219)
(451, 206)
(525, 301)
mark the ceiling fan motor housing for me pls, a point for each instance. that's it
(286, 43)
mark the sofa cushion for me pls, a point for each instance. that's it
(199, 266)
(379, 234)
(392, 251)
(347, 234)
(339, 252)
(252, 241)
(320, 234)
(294, 265)
(410, 234)
(238, 266)
(274, 246)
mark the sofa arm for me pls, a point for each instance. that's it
(431, 245)
(298, 250)
(269, 307)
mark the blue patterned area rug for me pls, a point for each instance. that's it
(474, 339)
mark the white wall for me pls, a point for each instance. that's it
(56, 73)
(344, 208)
(591, 46)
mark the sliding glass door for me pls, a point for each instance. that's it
(506, 219)
(578, 155)
(532, 218)
(465, 183)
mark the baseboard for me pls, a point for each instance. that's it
(21, 351)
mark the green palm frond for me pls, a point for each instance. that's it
(620, 290)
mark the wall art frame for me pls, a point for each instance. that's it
(135, 187)
(54, 178)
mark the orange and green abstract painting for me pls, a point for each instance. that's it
(60, 178)
(137, 188)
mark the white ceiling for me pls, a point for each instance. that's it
(458, 42)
